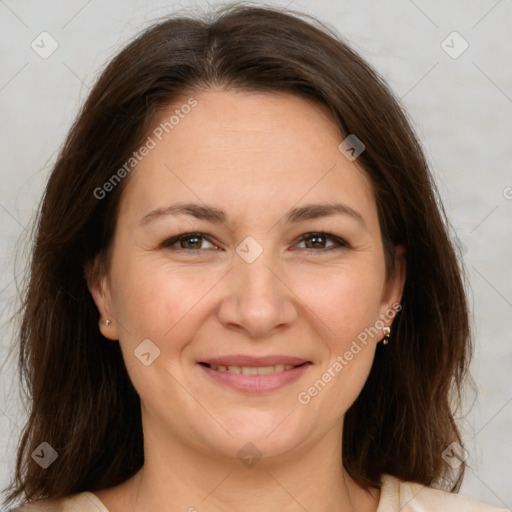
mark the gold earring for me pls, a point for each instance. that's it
(387, 333)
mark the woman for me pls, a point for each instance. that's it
(242, 293)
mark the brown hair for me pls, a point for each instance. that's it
(82, 401)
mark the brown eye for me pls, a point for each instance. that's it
(187, 241)
(320, 240)
(191, 242)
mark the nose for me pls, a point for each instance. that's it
(259, 299)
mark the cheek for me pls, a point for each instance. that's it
(347, 303)
(153, 299)
(346, 299)
(165, 305)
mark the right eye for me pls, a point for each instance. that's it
(187, 242)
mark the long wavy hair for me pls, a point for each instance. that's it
(81, 400)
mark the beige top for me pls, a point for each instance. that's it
(395, 496)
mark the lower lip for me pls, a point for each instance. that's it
(256, 383)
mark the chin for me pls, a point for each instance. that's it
(258, 435)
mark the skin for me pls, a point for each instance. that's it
(255, 156)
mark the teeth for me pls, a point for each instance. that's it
(246, 370)
(265, 370)
(253, 370)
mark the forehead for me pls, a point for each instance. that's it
(247, 150)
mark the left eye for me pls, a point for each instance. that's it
(319, 240)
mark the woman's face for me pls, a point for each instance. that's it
(255, 175)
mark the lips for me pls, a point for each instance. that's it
(254, 374)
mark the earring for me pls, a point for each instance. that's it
(387, 333)
(107, 322)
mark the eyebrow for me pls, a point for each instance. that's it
(212, 214)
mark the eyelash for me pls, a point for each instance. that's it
(340, 243)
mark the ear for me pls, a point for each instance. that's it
(394, 287)
(98, 285)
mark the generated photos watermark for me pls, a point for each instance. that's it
(342, 360)
(150, 143)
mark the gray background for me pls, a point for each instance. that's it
(461, 109)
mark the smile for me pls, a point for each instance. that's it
(254, 379)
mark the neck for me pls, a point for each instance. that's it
(180, 478)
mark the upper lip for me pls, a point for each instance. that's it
(252, 361)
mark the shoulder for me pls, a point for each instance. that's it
(397, 495)
(81, 502)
